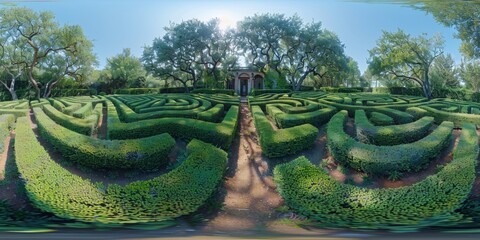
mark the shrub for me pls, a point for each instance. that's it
(457, 118)
(54, 189)
(219, 134)
(381, 119)
(390, 135)
(83, 126)
(215, 91)
(383, 160)
(84, 111)
(256, 92)
(213, 114)
(135, 91)
(311, 192)
(146, 154)
(284, 141)
(6, 123)
(286, 120)
(417, 112)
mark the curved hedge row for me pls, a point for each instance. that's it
(385, 160)
(311, 192)
(84, 126)
(287, 120)
(283, 141)
(390, 135)
(146, 154)
(54, 189)
(220, 134)
(457, 118)
(381, 119)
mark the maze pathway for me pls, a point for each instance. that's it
(251, 197)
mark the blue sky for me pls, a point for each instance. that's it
(117, 24)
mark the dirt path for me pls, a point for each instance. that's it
(251, 198)
(3, 157)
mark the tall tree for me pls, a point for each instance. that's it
(40, 36)
(263, 39)
(470, 74)
(444, 73)
(190, 51)
(313, 51)
(10, 69)
(352, 75)
(463, 15)
(124, 69)
(406, 58)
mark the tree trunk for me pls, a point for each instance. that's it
(48, 89)
(13, 93)
(34, 83)
(185, 86)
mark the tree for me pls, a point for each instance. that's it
(40, 37)
(77, 63)
(352, 76)
(10, 70)
(190, 51)
(263, 39)
(470, 74)
(406, 58)
(463, 15)
(124, 69)
(444, 73)
(312, 52)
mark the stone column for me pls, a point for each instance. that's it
(237, 84)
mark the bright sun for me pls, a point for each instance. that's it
(225, 21)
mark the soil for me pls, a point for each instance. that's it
(102, 125)
(251, 199)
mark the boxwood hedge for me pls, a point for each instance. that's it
(84, 126)
(283, 141)
(309, 191)
(390, 135)
(385, 160)
(54, 189)
(381, 119)
(146, 154)
(6, 122)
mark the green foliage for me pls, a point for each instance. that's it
(136, 91)
(84, 111)
(124, 69)
(311, 192)
(256, 92)
(390, 135)
(380, 119)
(316, 117)
(219, 134)
(6, 123)
(83, 126)
(213, 114)
(410, 157)
(214, 91)
(54, 189)
(457, 118)
(146, 154)
(284, 141)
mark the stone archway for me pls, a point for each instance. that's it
(246, 79)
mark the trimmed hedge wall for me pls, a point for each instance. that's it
(390, 135)
(457, 118)
(83, 126)
(136, 91)
(286, 120)
(309, 191)
(213, 114)
(381, 119)
(219, 134)
(54, 189)
(146, 154)
(284, 141)
(6, 123)
(256, 92)
(215, 91)
(385, 160)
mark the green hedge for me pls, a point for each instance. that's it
(380, 119)
(286, 120)
(256, 92)
(311, 192)
(84, 126)
(84, 111)
(136, 91)
(6, 123)
(215, 91)
(146, 154)
(385, 160)
(284, 141)
(417, 112)
(457, 118)
(390, 135)
(15, 112)
(52, 188)
(219, 134)
(213, 114)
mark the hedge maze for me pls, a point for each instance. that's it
(380, 137)
(142, 133)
